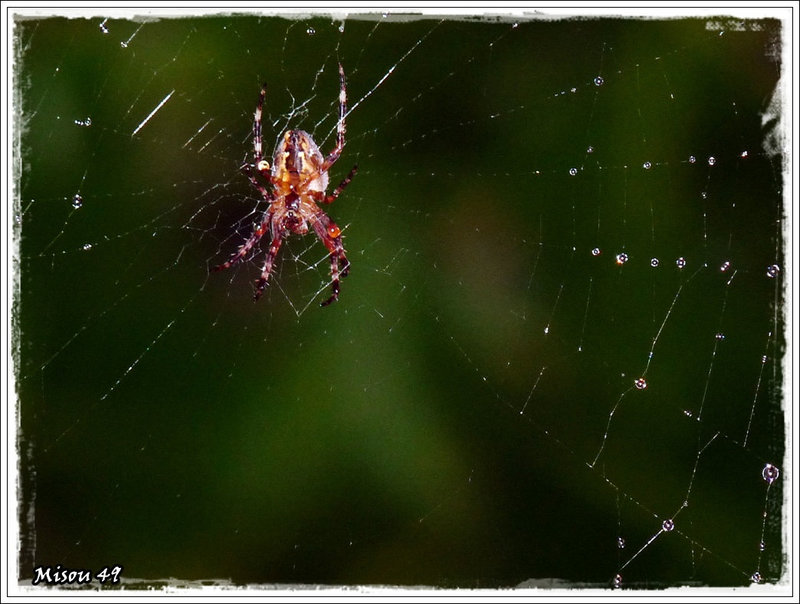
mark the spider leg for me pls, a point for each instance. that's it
(319, 197)
(247, 170)
(247, 245)
(257, 125)
(330, 235)
(340, 128)
(261, 282)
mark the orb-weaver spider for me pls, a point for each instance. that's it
(297, 181)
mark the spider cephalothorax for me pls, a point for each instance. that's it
(297, 181)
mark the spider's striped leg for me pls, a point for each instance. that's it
(331, 236)
(337, 191)
(340, 127)
(247, 245)
(257, 125)
(247, 170)
(340, 266)
(261, 282)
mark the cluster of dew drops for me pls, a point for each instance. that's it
(770, 474)
(622, 258)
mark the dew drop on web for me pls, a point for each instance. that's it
(640, 383)
(621, 258)
(654, 262)
(77, 201)
(773, 270)
(667, 525)
(770, 473)
(596, 251)
(599, 81)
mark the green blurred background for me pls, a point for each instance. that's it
(440, 425)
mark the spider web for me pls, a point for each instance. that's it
(559, 359)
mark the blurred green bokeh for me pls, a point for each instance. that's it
(172, 426)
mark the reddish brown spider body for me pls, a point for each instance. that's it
(297, 182)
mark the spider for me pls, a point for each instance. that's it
(297, 181)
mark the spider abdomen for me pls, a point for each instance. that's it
(298, 163)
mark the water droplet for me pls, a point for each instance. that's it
(773, 270)
(712, 160)
(87, 247)
(573, 90)
(640, 383)
(621, 258)
(599, 81)
(647, 165)
(617, 581)
(744, 154)
(547, 329)
(762, 546)
(596, 251)
(680, 262)
(103, 27)
(514, 25)
(704, 195)
(687, 413)
(341, 27)
(667, 525)
(311, 31)
(589, 149)
(756, 577)
(725, 266)
(86, 123)
(77, 201)
(692, 159)
(720, 336)
(573, 171)
(654, 262)
(770, 473)
(123, 44)
(620, 543)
